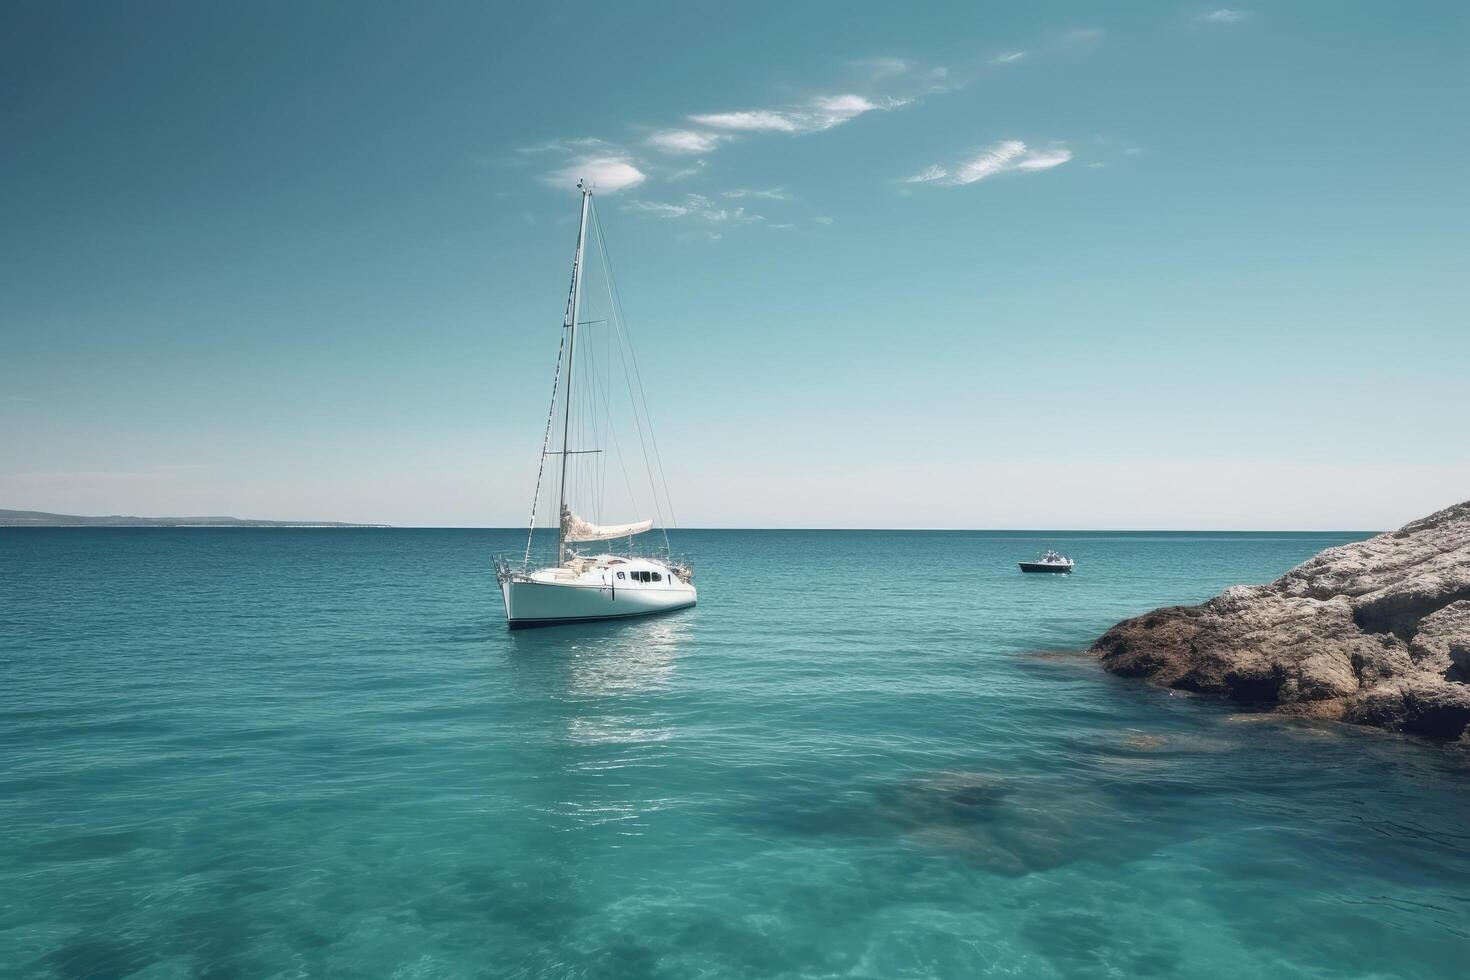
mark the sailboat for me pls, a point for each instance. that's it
(583, 587)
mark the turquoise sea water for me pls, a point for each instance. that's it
(250, 753)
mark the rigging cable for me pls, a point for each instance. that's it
(613, 433)
(597, 492)
(568, 325)
(620, 321)
(545, 442)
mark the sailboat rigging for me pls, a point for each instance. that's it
(580, 587)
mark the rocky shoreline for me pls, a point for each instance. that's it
(1373, 633)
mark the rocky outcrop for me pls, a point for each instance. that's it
(1375, 633)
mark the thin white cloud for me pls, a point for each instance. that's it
(937, 83)
(902, 75)
(1110, 147)
(890, 83)
(783, 225)
(837, 109)
(927, 175)
(607, 174)
(1082, 37)
(997, 159)
(883, 67)
(751, 121)
(769, 194)
(1042, 159)
(659, 208)
(1223, 15)
(1008, 156)
(579, 144)
(1007, 57)
(824, 220)
(695, 206)
(685, 141)
(819, 114)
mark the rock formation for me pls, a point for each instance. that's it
(1375, 633)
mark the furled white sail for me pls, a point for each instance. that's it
(573, 528)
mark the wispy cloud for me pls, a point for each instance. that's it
(695, 206)
(606, 173)
(683, 172)
(1007, 57)
(749, 120)
(1222, 15)
(902, 76)
(824, 220)
(769, 194)
(685, 141)
(1008, 156)
(579, 144)
(887, 67)
(661, 209)
(1105, 150)
(837, 109)
(820, 113)
(928, 174)
(1081, 37)
(873, 85)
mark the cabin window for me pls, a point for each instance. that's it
(657, 577)
(620, 574)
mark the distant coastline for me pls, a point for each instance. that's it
(37, 518)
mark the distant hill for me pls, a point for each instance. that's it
(36, 518)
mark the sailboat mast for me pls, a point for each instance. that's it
(573, 313)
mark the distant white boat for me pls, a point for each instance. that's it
(586, 587)
(1049, 561)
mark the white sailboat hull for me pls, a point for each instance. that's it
(552, 597)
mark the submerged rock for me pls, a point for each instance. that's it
(980, 818)
(1374, 633)
(1145, 743)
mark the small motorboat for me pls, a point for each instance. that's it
(1049, 561)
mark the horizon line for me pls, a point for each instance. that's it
(363, 526)
(949, 530)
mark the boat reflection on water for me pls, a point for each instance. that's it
(640, 661)
(606, 682)
(600, 711)
(605, 659)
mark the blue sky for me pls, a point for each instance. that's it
(1026, 265)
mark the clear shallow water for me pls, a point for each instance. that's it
(320, 753)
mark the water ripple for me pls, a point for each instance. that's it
(319, 753)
